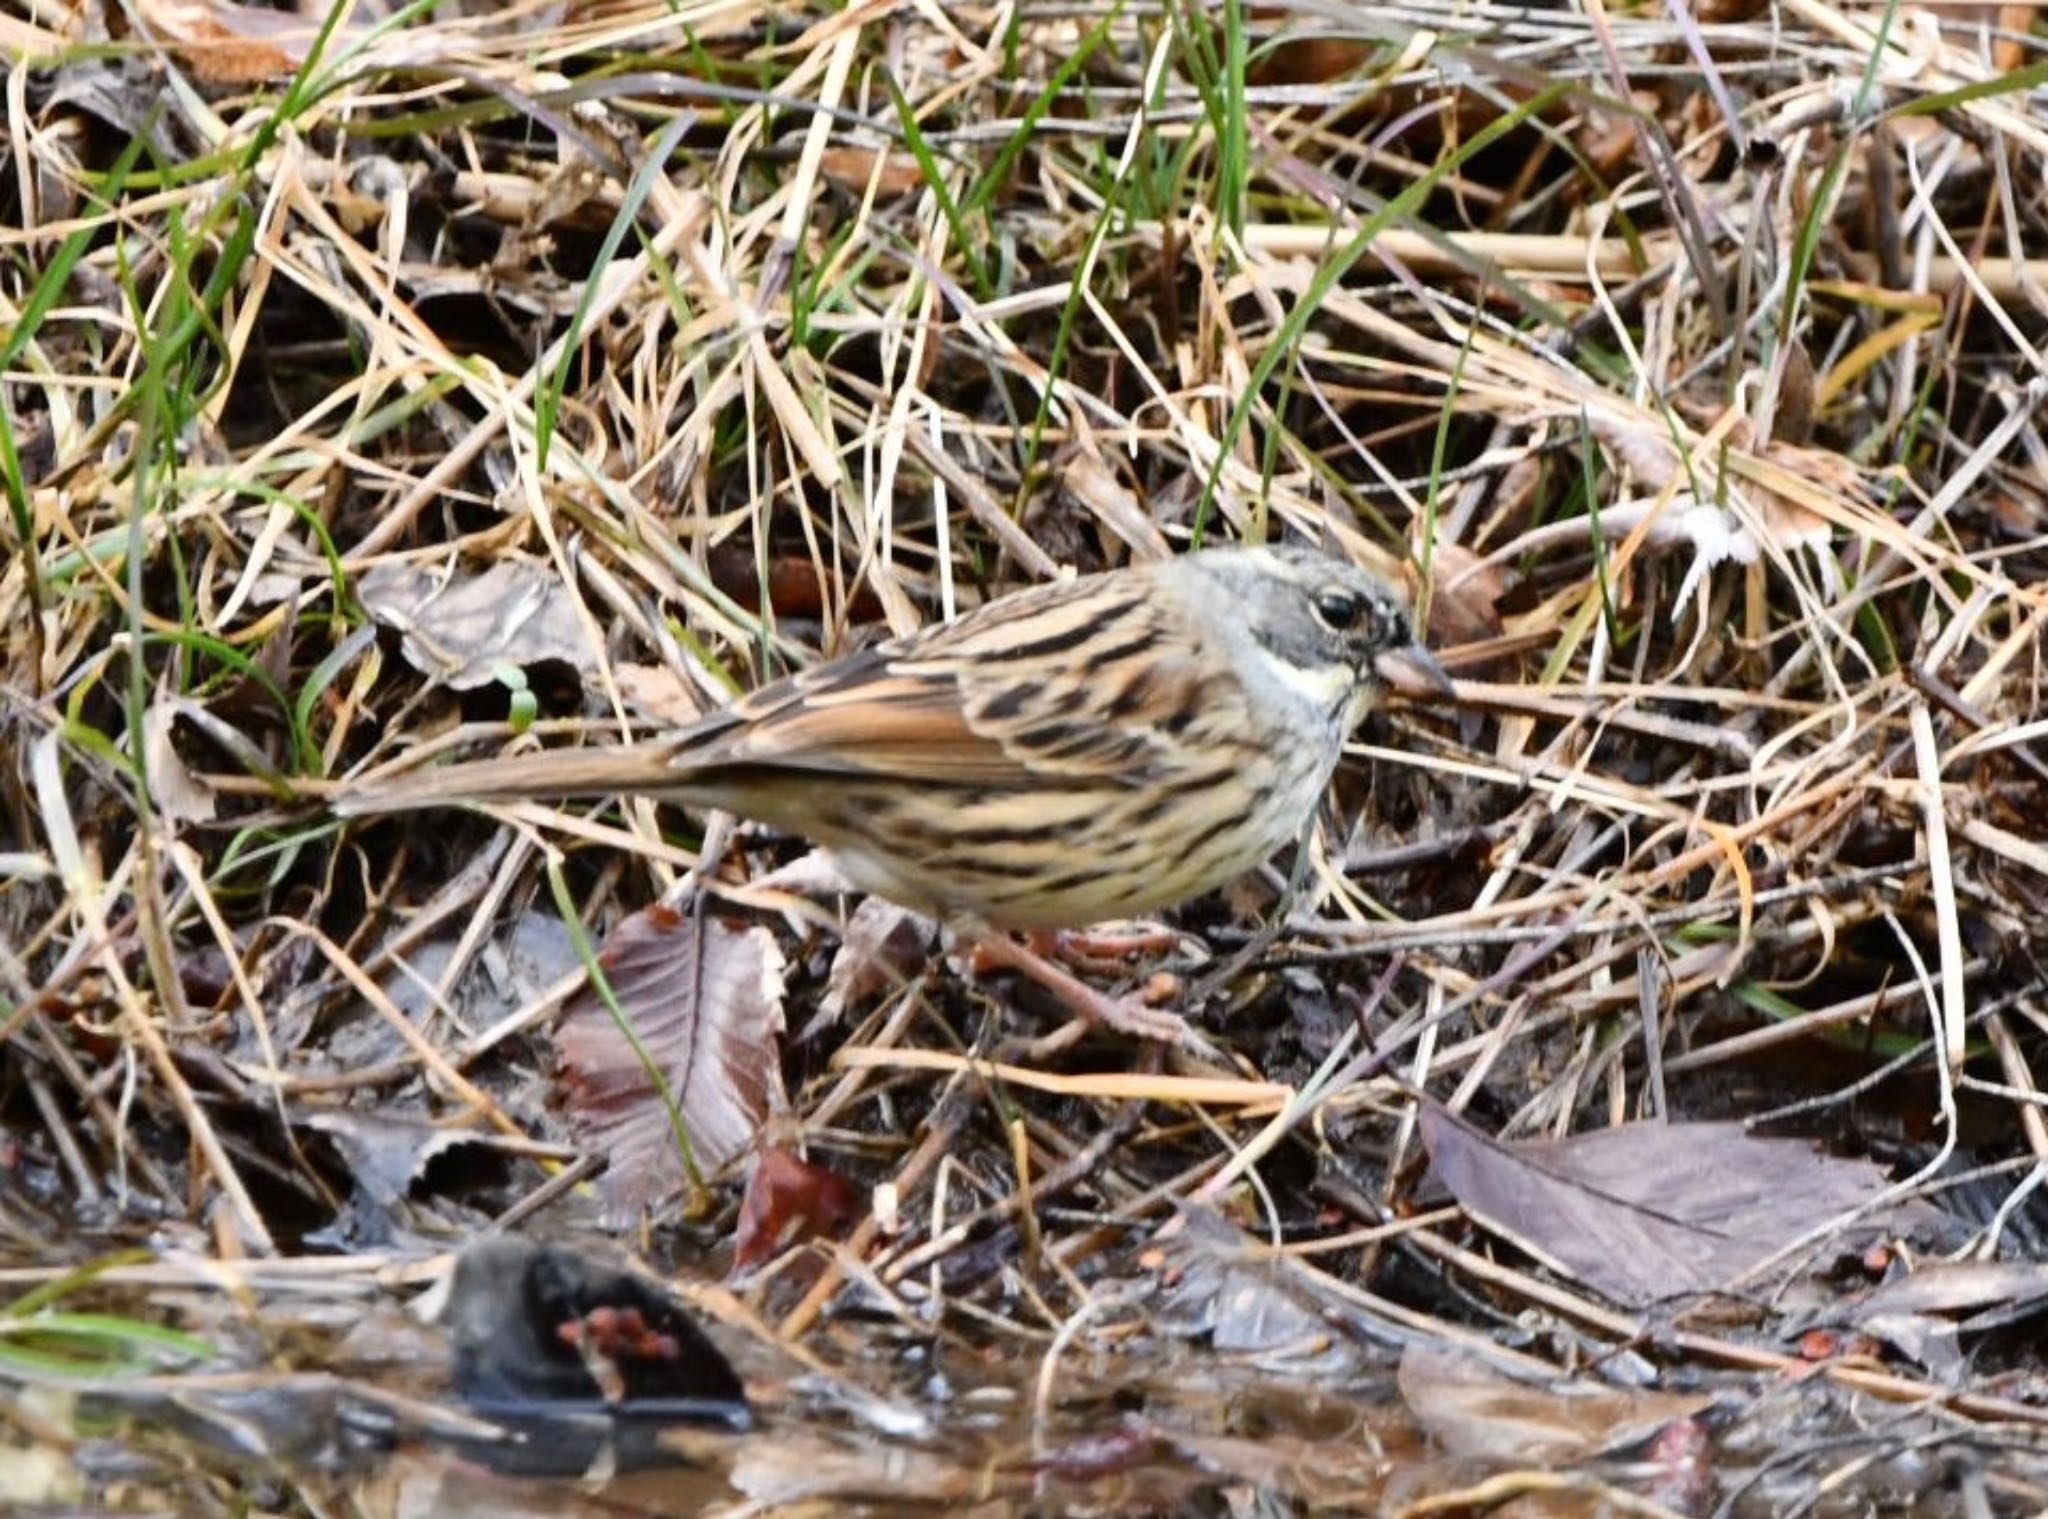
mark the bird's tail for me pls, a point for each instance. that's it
(583, 772)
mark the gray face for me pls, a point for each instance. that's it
(1318, 612)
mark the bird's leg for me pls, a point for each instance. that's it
(1094, 947)
(1126, 1015)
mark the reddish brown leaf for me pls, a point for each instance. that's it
(794, 587)
(789, 1201)
(705, 1001)
(225, 43)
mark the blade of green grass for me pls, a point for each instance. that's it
(547, 400)
(927, 161)
(1333, 271)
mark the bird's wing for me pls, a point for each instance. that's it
(852, 717)
(1073, 680)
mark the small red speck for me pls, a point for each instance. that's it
(1820, 1344)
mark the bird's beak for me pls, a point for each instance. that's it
(1413, 671)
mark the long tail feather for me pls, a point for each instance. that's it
(595, 771)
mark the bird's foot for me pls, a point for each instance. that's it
(1125, 1015)
(1103, 950)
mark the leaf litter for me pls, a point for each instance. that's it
(1687, 363)
(1647, 1211)
(698, 1023)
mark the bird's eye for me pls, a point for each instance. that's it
(1340, 610)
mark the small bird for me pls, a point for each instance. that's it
(1086, 749)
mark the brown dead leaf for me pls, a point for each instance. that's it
(178, 793)
(224, 43)
(1308, 60)
(1464, 600)
(882, 946)
(658, 692)
(705, 1001)
(789, 1201)
(1258, 1309)
(792, 583)
(1923, 1314)
(1645, 1211)
(1608, 138)
(1793, 424)
(852, 168)
(1470, 1409)
(1087, 477)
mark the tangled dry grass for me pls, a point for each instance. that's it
(378, 380)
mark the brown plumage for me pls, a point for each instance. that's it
(1088, 749)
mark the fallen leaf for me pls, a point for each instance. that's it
(1645, 1211)
(1956, 1287)
(1251, 1304)
(1307, 60)
(792, 583)
(882, 946)
(1087, 477)
(1609, 138)
(1470, 1409)
(464, 629)
(523, 957)
(705, 1002)
(1464, 600)
(789, 1201)
(1915, 1313)
(658, 692)
(224, 43)
(178, 793)
(852, 169)
(385, 1154)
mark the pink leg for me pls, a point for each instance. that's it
(1086, 946)
(1124, 1014)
